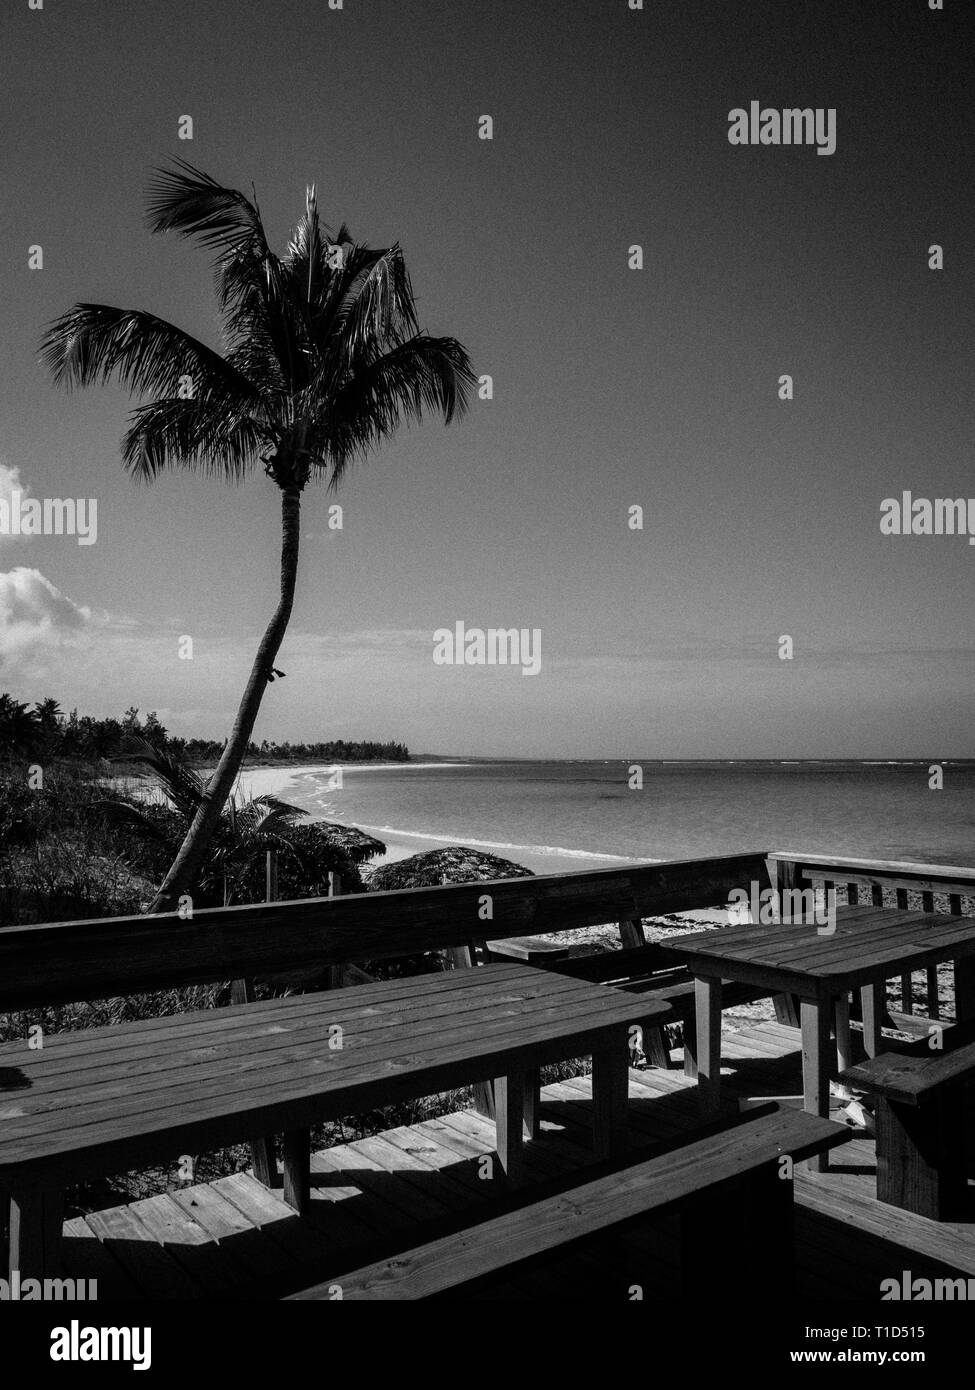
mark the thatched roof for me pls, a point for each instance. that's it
(456, 864)
(355, 843)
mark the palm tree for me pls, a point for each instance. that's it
(245, 831)
(323, 358)
(19, 729)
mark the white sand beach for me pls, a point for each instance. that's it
(294, 783)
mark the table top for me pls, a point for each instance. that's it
(282, 1063)
(868, 944)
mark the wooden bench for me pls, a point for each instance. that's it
(924, 1121)
(729, 1187)
(93, 1103)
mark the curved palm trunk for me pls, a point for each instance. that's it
(187, 863)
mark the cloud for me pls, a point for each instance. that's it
(10, 482)
(36, 619)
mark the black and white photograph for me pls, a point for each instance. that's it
(487, 679)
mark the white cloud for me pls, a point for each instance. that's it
(36, 619)
(10, 482)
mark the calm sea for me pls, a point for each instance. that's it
(554, 816)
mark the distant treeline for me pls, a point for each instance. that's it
(43, 730)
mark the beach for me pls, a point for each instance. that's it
(566, 816)
(303, 786)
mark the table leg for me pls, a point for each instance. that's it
(296, 1153)
(873, 999)
(707, 1004)
(533, 1118)
(34, 1234)
(817, 1057)
(4, 1233)
(509, 1119)
(610, 1093)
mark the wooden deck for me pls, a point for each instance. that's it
(234, 1239)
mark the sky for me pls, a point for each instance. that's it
(613, 387)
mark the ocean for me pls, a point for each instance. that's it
(557, 816)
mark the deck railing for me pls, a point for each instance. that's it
(944, 888)
(65, 962)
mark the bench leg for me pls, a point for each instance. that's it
(920, 1155)
(263, 1161)
(787, 1010)
(707, 1006)
(35, 1225)
(509, 1100)
(844, 1046)
(655, 1047)
(484, 1102)
(873, 1002)
(296, 1147)
(610, 1096)
(817, 1060)
(532, 1112)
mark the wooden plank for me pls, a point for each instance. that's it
(631, 933)
(296, 1153)
(817, 1064)
(610, 1092)
(921, 1155)
(83, 1256)
(541, 1030)
(263, 1157)
(850, 1199)
(705, 1062)
(910, 1075)
(301, 1239)
(938, 878)
(34, 1233)
(188, 1242)
(872, 1003)
(125, 955)
(131, 1105)
(588, 1209)
(423, 1004)
(149, 1264)
(509, 1094)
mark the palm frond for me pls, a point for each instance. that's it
(178, 433)
(422, 373)
(184, 199)
(91, 343)
(376, 307)
(181, 783)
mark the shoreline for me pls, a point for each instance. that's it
(402, 843)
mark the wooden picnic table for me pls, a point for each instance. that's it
(867, 947)
(104, 1101)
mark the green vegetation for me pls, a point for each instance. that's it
(44, 731)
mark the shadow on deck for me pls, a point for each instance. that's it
(234, 1239)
